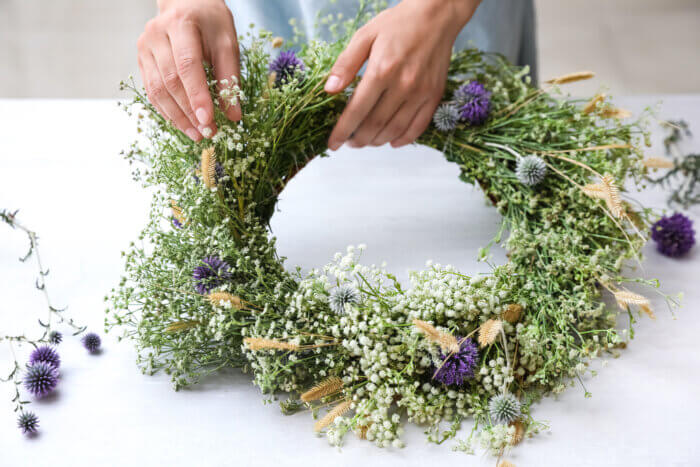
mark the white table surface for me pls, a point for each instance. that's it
(59, 164)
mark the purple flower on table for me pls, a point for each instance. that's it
(40, 379)
(673, 235)
(211, 274)
(474, 102)
(46, 354)
(459, 366)
(286, 66)
(28, 422)
(92, 342)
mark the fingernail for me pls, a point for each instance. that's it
(192, 133)
(332, 84)
(202, 116)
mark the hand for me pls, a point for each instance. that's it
(171, 51)
(407, 49)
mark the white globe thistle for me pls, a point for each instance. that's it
(343, 295)
(446, 117)
(530, 170)
(504, 408)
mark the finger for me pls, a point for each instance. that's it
(145, 74)
(186, 45)
(377, 119)
(162, 100)
(417, 126)
(364, 98)
(349, 62)
(226, 63)
(399, 123)
(162, 52)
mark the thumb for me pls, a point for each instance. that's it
(350, 61)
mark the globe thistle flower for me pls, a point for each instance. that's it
(212, 274)
(446, 117)
(55, 337)
(41, 379)
(343, 295)
(459, 366)
(530, 170)
(285, 67)
(673, 235)
(474, 102)
(45, 354)
(504, 408)
(92, 342)
(28, 422)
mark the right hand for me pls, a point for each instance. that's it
(171, 51)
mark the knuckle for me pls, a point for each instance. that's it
(181, 14)
(186, 61)
(409, 82)
(171, 80)
(151, 27)
(155, 90)
(386, 69)
(142, 42)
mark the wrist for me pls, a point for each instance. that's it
(456, 13)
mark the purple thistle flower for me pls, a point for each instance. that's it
(459, 366)
(40, 379)
(674, 235)
(286, 66)
(176, 223)
(211, 275)
(92, 342)
(55, 337)
(28, 422)
(45, 354)
(474, 102)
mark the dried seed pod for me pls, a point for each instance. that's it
(336, 412)
(325, 388)
(488, 332)
(512, 313)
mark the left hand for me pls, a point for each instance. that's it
(407, 49)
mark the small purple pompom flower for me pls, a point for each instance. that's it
(474, 102)
(55, 337)
(674, 235)
(45, 354)
(28, 422)
(459, 366)
(212, 274)
(40, 379)
(92, 342)
(286, 66)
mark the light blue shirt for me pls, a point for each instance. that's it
(503, 26)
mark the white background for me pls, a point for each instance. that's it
(59, 163)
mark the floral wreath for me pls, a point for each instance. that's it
(205, 288)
